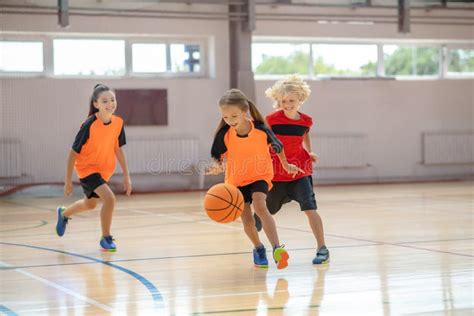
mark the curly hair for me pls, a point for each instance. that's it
(293, 84)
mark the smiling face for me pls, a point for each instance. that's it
(290, 103)
(106, 103)
(233, 115)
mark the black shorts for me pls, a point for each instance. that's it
(300, 190)
(90, 183)
(249, 189)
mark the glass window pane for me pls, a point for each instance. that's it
(344, 60)
(461, 62)
(185, 58)
(280, 59)
(398, 60)
(411, 61)
(21, 56)
(427, 61)
(89, 57)
(149, 58)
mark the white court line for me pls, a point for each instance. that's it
(158, 215)
(221, 225)
(181, 218)
(154, 206)
(177, 298)
(104, 307)
(50, 309)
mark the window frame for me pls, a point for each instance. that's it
(202, 73)
(48, 54)
(375, 75)
(105, 38)
(380, 67)
(449, 47)
(25, 39)
(411, 44)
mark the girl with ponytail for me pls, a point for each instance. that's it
(241, 148)
(97, 146)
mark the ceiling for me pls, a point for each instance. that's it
(363, 11)
(153, 4)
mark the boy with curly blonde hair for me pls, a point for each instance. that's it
(292, 127)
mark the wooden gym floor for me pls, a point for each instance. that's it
(396, 249)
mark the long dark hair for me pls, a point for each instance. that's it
(98, 89)
(237, 98)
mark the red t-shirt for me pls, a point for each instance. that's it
(291, 133)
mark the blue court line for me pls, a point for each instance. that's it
(157, 298)
(5, 310)
(165, 258)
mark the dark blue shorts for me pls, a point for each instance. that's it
(249, 189)
(300, 190)
(90, 183)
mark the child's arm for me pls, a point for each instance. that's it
(71, 159)
(127, 182)
(290, 168)
(307, 145)
(216, 168)
(218, 150)
(277, 147)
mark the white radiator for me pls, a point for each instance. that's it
(448, 148)
(161, 155)
(340, 150)
(10, 158)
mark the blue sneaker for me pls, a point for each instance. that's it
(260, 257)
(281, 256)
(322, 256)
(62, 221)
(107, 244)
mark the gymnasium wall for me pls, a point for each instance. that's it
(45, 113)
(393, 114)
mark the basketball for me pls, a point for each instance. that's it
(224, 203)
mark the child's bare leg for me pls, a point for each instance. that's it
(249, 226)
(107, 210)
(316, 226)
(268, 223)
(80, 206)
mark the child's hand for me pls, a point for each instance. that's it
(67, 188)
(127, 185)
(293, 170)
(215, 169)
(314, 157)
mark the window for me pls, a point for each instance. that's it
(21, 56)
(327, 59)
(92, 56)
(344, 60)
(89, 57)
(185, 58)
(411, 61)
(149, 58)
(461, 62)
(280, 59)
(161, 57)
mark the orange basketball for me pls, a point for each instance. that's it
(224, 203)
